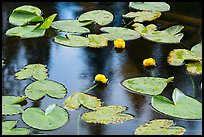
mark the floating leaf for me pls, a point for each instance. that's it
(150, 6)
(72, 40)
(194, 68)
(71, 26)
(25, 14)
(37, 71)
(107, 115)
(8, 129)
(183, 106)
(39, 89)
(48, 21)
(102, 17)
(28, 31)
(197, 50)
(36, 118)
(147, 85)
(79, 98)
(159, 127)
(141, 16)
(97, 41)
(115, 33)
(140, 28)
(177, 56)
(10, 105)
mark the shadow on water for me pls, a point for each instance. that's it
(76, 68)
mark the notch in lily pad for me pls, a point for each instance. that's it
(179, 107)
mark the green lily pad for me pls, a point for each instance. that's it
(54, 117)
(37, 71)
(141, 16)
(71, 26)
(150, 6)
(160, 127)
(102, 17)
(197, 50)
(194, 68)
(48, 21)
(39, 89)
(179, 107)
(97, 41)
(107, 115)
(79, 98)
(8, 128)
(147, 85)
(115, 33)
(10, 105)
(28, 31)
(25, 14)
(178, 56)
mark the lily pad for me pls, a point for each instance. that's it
(97, 41)
(10, 105)
(28, 31)
(71, 26)
(54, 117)
(115, 33)
(141, 16)
(25, 14)
(39, 89)
(48, 21)
(179, 107)
(107, 115)
(197, 50)
(79, 98)
(160, 127)
(102, 17)
(147, 85)
(150, 6)
(8, 128)
(37, 71)
(194, 68)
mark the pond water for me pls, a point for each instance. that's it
(76, 68)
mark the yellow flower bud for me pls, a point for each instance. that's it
(149, 62)
(101, 78)
(119, 43)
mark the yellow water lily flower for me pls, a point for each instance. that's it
(149, 62)
(101, 78)
(119, 43)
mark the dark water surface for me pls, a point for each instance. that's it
(76, 68)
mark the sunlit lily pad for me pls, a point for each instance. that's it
(182, 106)
(48, 21)
(107, 115)
(71, 26)
(37, 71)
(10, 105)
(97, 41)
(194, 68)
(79, 98)
(114, 33)
(160, 127)
(150, 6)
(25, 14)
(8, 128)
(28, 31)
(197, 50)
(54, 117)
(39, 89)
(102, 17)
(141, 16)
(147, 85)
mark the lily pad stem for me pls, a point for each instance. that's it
(91, 87)
(128, 23)
(78, 120)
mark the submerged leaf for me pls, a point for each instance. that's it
(107, 115)
(39, 89)
(147, 85)
(141, 16)
(150, 6)
(71, 26)
(159, 127)
(8, 129)
(10, 105)
(79, 98)
(36, 118)
(115, 33)
(102, 17)
(97, 41)
(194, 68)
(180, 108)
(37, 71)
